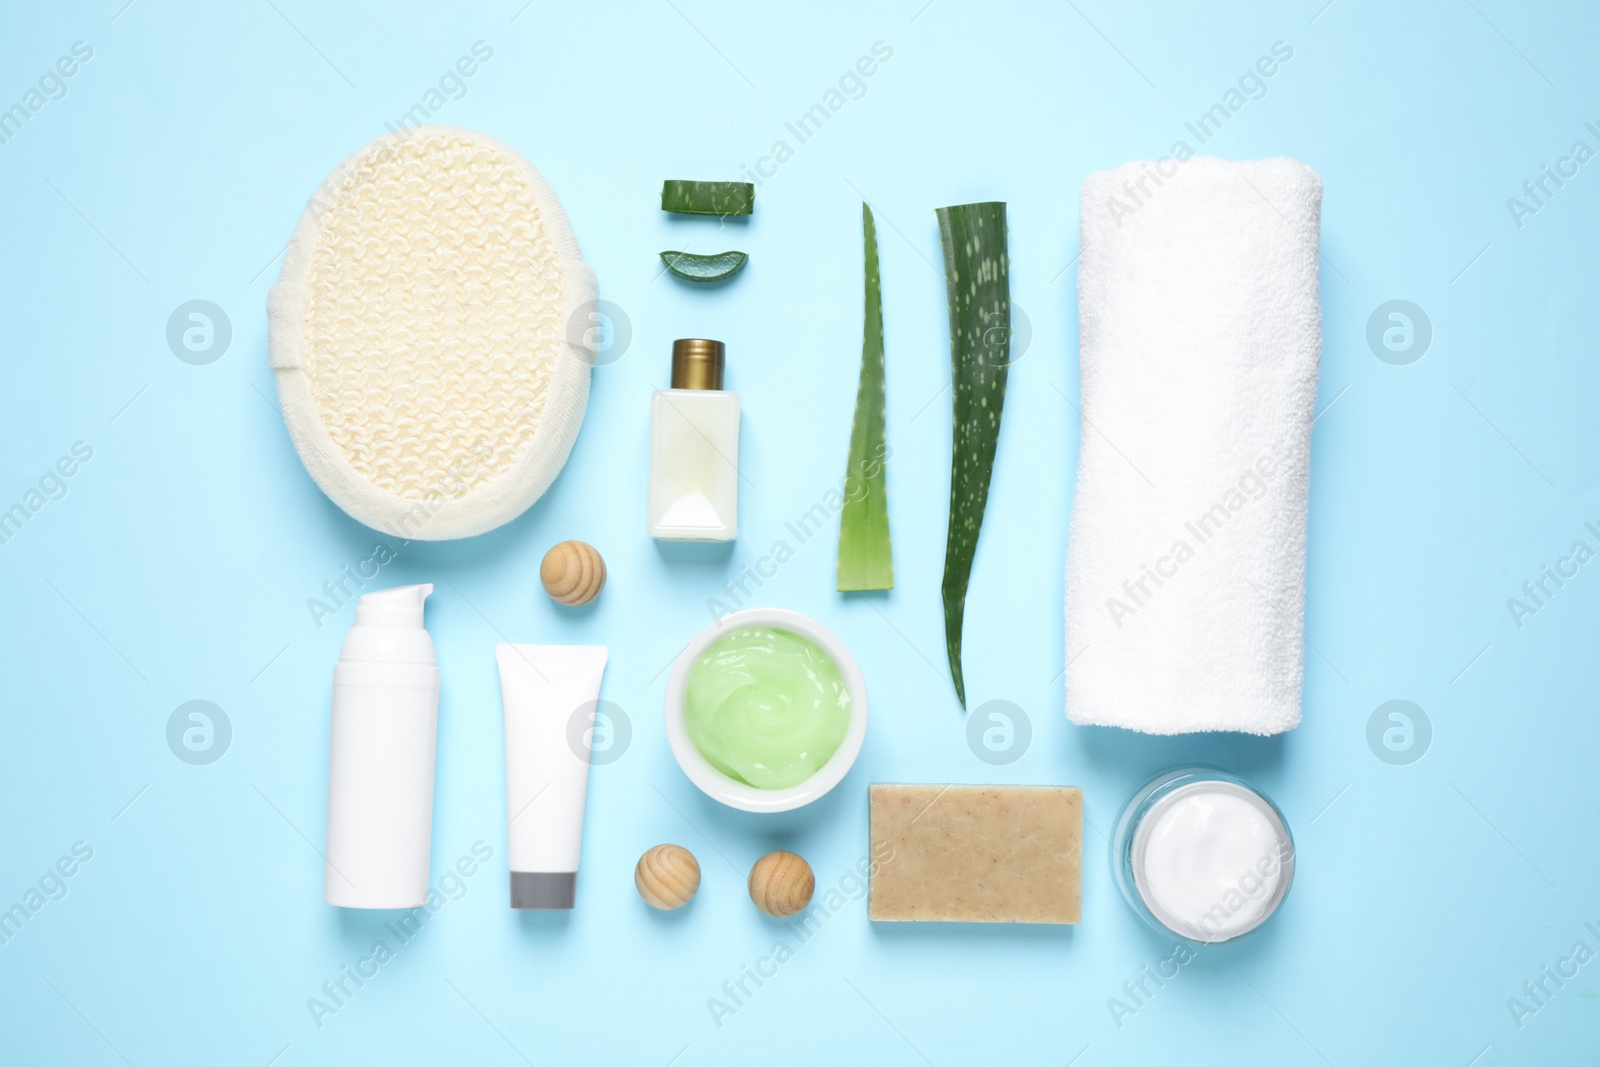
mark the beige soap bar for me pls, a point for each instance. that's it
(974, 853)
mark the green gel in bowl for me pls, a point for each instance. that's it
(766, 707)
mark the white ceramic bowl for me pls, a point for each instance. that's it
(736, 794)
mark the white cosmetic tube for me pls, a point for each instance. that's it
(549, 694)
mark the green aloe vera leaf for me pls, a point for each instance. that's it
(866, 558)
(708, 198)
(697, 268)
(977, 276)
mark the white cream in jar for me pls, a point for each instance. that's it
(1203, 855)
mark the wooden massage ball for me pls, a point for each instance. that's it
(781, 884)
(667, 877)
(572, 573)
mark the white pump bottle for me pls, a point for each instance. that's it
(380, 763)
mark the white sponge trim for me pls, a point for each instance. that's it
(503, 499)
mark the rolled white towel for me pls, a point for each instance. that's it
(1200, 336)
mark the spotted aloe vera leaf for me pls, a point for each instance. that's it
(866, 558)
(708, 198)
(977, 277)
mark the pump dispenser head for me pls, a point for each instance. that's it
(697, 363)
(400, 607)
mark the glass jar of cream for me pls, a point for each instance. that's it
(1202, 854)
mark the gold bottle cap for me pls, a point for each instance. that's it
(696, 363)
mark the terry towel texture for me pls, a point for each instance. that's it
(1200, 335)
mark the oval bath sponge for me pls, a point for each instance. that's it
(430, 334)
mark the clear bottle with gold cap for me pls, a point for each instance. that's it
(694, 449)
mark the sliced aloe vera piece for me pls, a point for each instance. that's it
(866, 558)
(698, 268)
(977, 276)
(708, 198)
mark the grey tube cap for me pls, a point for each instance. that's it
(544, 890)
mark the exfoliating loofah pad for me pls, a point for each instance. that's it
(429, 334)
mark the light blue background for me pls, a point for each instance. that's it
(179, 563)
